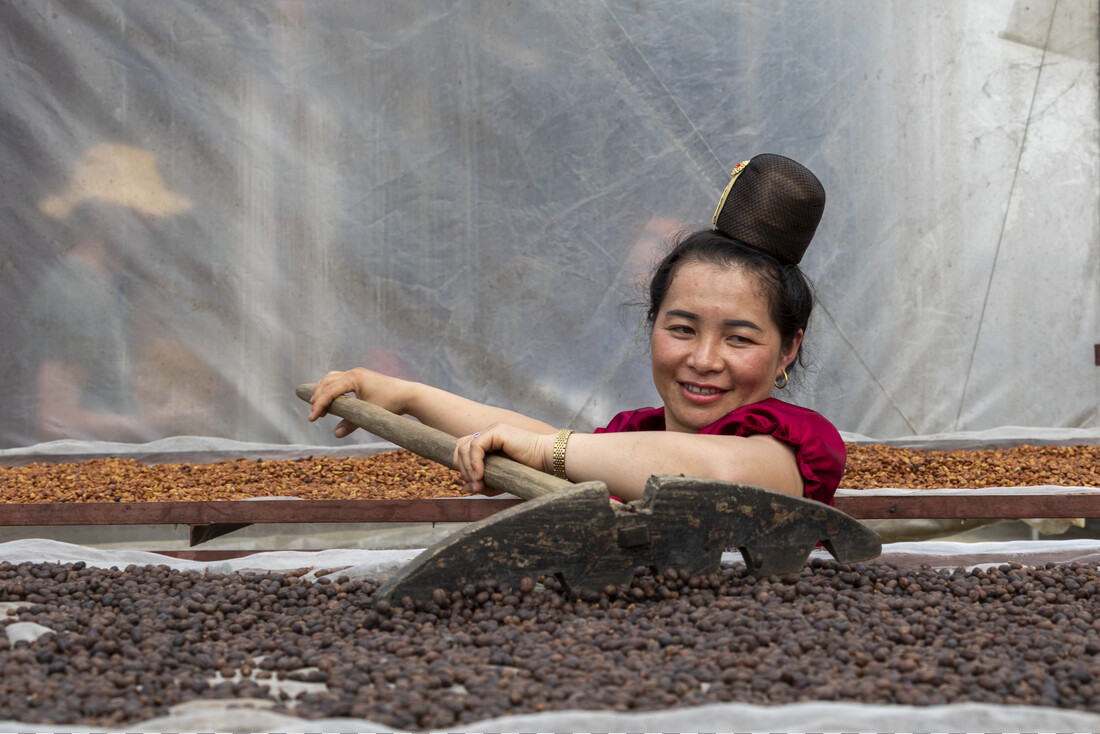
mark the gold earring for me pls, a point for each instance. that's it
(782, 380)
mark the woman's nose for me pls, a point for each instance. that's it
(705, 356)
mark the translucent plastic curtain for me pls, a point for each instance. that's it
(468, 193)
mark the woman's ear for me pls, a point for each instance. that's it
(790, 352)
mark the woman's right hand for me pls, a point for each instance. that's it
(373, 387)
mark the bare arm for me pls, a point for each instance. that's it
(437, 408)
(625, 461)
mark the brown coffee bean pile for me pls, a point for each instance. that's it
(873, 465)
(404, 475)
(128, 644)
(387, 475)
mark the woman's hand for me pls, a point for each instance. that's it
(386, 392)
(532, 449)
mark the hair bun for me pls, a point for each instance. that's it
(772, 203)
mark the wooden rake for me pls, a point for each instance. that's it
(575, 531)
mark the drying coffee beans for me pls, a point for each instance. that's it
(404, 475)
(873, 465)
(386, 475)
(126, 644)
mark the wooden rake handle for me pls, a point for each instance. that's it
(501, 473)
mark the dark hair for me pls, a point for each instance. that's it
(790, 294)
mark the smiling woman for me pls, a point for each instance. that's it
(728, 311)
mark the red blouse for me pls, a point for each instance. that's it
(818, 446)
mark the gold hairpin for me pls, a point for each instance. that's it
(722, 202)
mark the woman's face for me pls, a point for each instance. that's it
(714, 347)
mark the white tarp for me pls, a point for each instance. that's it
(467, 192)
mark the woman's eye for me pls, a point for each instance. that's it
(681, 330)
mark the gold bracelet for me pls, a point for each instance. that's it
(559, 452)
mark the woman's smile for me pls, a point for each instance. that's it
(700, 394)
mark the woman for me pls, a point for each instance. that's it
(728, 309)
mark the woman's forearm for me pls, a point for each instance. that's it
(625, 461)
(461, 416)
(432, 406)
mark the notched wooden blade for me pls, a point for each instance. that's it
(775, 532)
(684, 523)
(569, 533)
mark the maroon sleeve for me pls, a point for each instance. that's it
(817, 444)
(644, 419)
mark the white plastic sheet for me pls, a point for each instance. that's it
(467, 192)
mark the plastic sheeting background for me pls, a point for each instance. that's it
(467, 193)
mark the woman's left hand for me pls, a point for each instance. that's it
(532, 449)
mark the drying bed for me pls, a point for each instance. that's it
(388, 475)
(113, 646)
(397, 486)
(402, 475)
(876, 465)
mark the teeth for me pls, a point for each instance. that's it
(702, 390)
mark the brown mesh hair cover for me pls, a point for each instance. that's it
(774, 205)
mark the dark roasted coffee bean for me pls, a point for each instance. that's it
(130, 643)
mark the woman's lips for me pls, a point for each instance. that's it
(700, 394)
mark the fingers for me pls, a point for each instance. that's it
(328, 388)
(528, 448)
(343, 428)
(469, 461)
